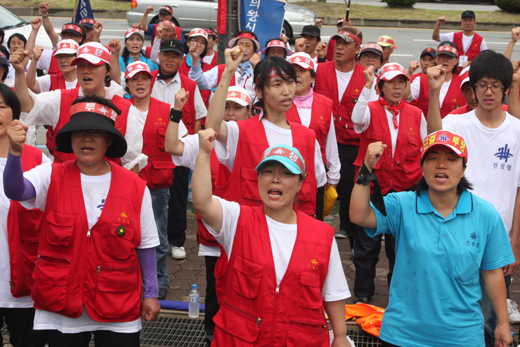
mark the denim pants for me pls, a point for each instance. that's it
(490, 318)
(160, 199)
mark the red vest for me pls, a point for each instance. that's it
(188, 111)
(95, 267)
(414, 76)
(453, 99)
(320, 119)
(214, 60)
(67, 97)
(184, 69)
(54, 68)
(465, 109)
(255, 311)
(159, 171)
(474, 47)
(242, 185)
(204, 237)
(402, 171)
(22, 234)
(327, 84)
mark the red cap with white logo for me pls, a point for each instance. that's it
(93, 52)
(392, 70)
(464, 76)
(238, 95)
(67, 47)
(132, 31)
(302, 59)
(277, 43)
(136, 67)
(198, 32)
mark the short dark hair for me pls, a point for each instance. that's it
(98, 100)
(11, 100)
(463, 184)
(283, 68)
(4, 50)
(492, 65)
(2, 35)
(18, 35)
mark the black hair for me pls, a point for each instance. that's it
(11, 100)
(107, 77)
(98, 100)
(83, 30)
(4, 50)
(463, 184)
(18, 35)
(380, 86)
(272, 163)
(2, 35)
(267, 49)
(491, 65)
(283, 68)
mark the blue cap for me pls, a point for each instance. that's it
(193, 286)
(288, 156)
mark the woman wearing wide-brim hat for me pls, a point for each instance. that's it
(97, 236)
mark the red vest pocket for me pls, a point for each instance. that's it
(249, 184)
(161, 174)
(310, 293)
(234, 327)
(118, 244)
(307, 334)
(51, 276)
(161, 138)
(116, 286)
(60, 228)
(248, 276)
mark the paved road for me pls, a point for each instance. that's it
(430, 5)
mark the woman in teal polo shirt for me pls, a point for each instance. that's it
(444, 236)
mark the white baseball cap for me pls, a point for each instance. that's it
(277, 43)
(67, 47)
(134, 68)
(464, 76)
(93, 52)
(132, 31)
(198, 32)
(238, 95)
(302, 59)
(392, 70)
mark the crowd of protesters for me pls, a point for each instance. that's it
(429, 158)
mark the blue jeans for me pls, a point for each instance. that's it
(490, 318)
(160, 199)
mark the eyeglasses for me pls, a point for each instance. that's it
(94, 133)
(200, 42)
(485, 87)
(369, 56)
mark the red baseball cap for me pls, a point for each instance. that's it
(453, 141)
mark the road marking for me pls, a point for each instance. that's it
(490, 43)
(402, 55)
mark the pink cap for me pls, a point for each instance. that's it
(198, 32)
(302, 59)
(277, 43)
(238, 95)
(132, 31)
(93, 52)
(67, 47)
(136, 67)
(392, 70)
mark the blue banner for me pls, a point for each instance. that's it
(263, 17)
(83, 11)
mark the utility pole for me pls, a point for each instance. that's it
(231, 29)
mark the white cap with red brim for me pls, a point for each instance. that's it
(93, 52)
(391, 70)
(303, 60)
(277, 43)
(132, 31)
(67, 47)
(198, 32)
(464, 76)
(238, 95)
(136, 67)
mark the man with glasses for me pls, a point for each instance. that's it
(371, 54)
(494, 162)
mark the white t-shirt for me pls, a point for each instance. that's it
(275, 135)
(188, 159)
(466, 41)
(283, 238)
(415, 88)
(134, 135)
(95, 190)
(45, 83)
(44, 63)
(343, 81)
(209, 58)
(494, 160)
(6, 299)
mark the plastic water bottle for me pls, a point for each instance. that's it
(193, 306)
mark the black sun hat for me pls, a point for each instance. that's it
(92, 116)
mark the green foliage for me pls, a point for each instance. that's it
(510, 6)
(401, 3)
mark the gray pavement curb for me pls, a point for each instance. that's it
(360, 22)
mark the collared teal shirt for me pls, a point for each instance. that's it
(435, 291)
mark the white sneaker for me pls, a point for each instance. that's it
(512, 310)
(180, 253)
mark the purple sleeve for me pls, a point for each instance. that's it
(148, 264)
(17, 187)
